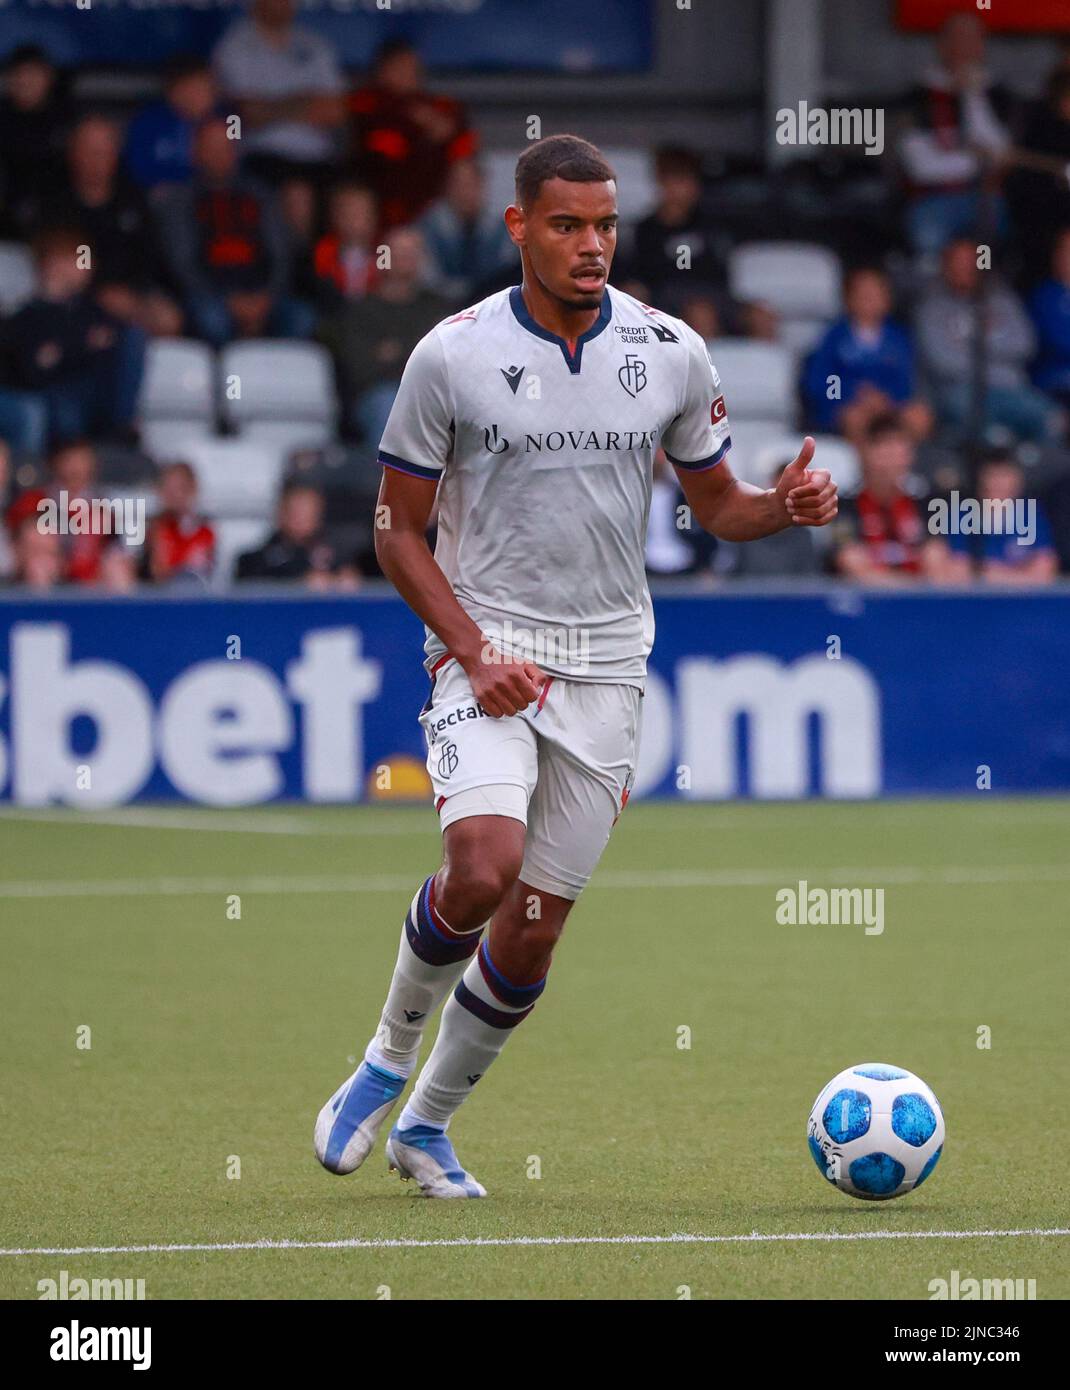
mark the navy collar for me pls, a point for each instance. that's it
(520, 309)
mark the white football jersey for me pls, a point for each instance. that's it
(545, 453)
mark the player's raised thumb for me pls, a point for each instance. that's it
(795, 473)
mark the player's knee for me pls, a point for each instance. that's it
(478, 872)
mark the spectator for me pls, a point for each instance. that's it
(298, 548)
(371, 338)
(679, 222)
(159, 143)
(959, 138)
(880, 535)
(289, 89)
(116, 226)
(1010, 553)
(33, 118)
(70, 367)
(946, 326)
(227, 248)
(73, 469)
(38, 557)
(404, 138)
(466, 241)
(1050, 308)
(180, 542)
(864, 365)
(343, 263)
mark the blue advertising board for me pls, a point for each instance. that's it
(480, 35)
(242, 700)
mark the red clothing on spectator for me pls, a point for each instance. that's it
(351, 276)
(81, 553)
(180, 544)
(893, 533)
(396, 152)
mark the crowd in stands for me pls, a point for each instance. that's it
(254, 198)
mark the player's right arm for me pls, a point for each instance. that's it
(415, 448)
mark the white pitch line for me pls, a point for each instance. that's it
(466, 1242)
(872, 875)
(212, 822)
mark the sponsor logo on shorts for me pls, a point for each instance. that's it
(455, 717)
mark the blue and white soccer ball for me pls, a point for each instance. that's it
(876, 1131)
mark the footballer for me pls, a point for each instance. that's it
(533, 417)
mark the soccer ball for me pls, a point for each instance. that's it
(876, 1131)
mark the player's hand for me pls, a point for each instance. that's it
(503, 684)
(807, 494)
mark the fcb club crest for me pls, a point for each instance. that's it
(632, 376)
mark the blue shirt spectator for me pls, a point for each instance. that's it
(864, 365)
(159, 142)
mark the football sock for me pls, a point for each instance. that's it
(430, 958)
(476, 1023)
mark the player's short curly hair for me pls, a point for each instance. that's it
(559, 157)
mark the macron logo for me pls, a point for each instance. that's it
(512, 376)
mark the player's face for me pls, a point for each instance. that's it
(569, 234)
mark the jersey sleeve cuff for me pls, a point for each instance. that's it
(415, 470)
(699, 465)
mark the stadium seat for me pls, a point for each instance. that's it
(802, 282)
(754, 440)
(285, 394)
(237, 477)
(833, 453)
(17, 278)
(758, 379)
(233, 537)
(177, 402)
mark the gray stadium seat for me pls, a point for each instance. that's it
(801, 281)
(758, 378)
(233, 537)
(17, 278)
(177, 402)
(237, 477)
(287, 394)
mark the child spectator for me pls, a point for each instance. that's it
(881, 535)
(1009, 554)
(180, 543)
(343, 261)
(298, 548)
(864, 365)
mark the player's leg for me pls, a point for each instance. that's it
(483, 838)
(571, 814)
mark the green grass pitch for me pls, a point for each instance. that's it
(214, 1041)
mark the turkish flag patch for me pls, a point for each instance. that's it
(718, 411)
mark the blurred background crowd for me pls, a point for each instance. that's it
(209, 323)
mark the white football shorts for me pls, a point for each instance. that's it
(564, 767)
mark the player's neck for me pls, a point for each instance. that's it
(549, 313)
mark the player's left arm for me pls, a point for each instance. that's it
(697, 443)
(736, 511)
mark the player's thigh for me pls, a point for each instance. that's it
(587, 759)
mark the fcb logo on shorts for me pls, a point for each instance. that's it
(718, 411)
(447, 760)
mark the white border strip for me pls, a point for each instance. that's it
(465, 1242)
